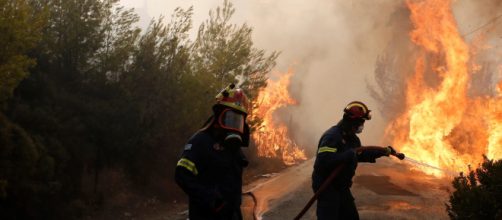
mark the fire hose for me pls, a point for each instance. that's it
(255, 201)
(332, 176)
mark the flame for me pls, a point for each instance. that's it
(495, 125)
(272, 136)
(441, 125)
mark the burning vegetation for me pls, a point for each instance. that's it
(443, 124)
(272, 137)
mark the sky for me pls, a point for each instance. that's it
(331, 46)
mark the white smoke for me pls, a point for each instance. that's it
(333, 47)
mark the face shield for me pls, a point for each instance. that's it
(232, 120)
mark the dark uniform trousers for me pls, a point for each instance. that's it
(339, 205)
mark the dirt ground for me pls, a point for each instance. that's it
(385, 190)
(388, 189)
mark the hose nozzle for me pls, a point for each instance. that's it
(399, 155)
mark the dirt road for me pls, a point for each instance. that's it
(385, 190)
(389, 189)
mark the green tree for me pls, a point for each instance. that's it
(155, 86)
(118, 44)
(479, 194)
(20, 29)
(104, 95)
(23, 162)
(224, 52)
(71, 103)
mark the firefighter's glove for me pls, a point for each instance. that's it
(392, 151)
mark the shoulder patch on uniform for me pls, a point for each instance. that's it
(188, 147)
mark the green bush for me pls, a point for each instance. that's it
(478, 195)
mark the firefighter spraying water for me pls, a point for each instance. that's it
(339, 151)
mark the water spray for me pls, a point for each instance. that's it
(419, 163)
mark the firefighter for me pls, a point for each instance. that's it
(338, 145)
(210, 168)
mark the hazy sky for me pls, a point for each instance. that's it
(331, 45)
(166, 7)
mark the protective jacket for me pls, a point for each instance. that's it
(336, 147)
(211, 175)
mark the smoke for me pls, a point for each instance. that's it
(473, 14)
(480, 21)
(332, 47)
(341, 51)
(360, 50)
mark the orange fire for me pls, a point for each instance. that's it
(443, 126)
(272, 137)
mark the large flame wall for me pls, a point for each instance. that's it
(442, 125)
